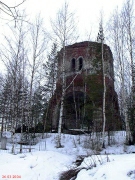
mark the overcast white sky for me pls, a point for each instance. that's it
(87, 11)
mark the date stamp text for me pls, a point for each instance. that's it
(11, 176)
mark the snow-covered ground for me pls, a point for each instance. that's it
(46, 162)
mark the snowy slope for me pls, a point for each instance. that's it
(120, 167)
(50, 162)
(42, 165)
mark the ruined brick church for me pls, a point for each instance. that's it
(84, 89)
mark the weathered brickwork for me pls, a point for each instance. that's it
(84, 88)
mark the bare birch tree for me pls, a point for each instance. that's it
(100, 39)
(64, 29)
(118, 40)
(36, 58)
(13, 55)
(129, 19)
(11, 11)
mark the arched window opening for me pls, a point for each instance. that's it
(80, 63)
(73, 64)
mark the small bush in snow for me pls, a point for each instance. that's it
(93, 144)
(131, 174)
(74, 142)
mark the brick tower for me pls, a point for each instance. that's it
(84, 89)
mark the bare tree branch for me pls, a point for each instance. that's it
(11, 10)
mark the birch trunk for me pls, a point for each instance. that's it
(62, 99)
(122, 53)
(65, 31)
(104, 95)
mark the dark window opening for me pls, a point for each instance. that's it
(80, 63)
(73, 64)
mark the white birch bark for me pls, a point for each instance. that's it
(104, 100)
(119, 40)
(65, 32)
(100, 39)
(128, 15)
(62, 100)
